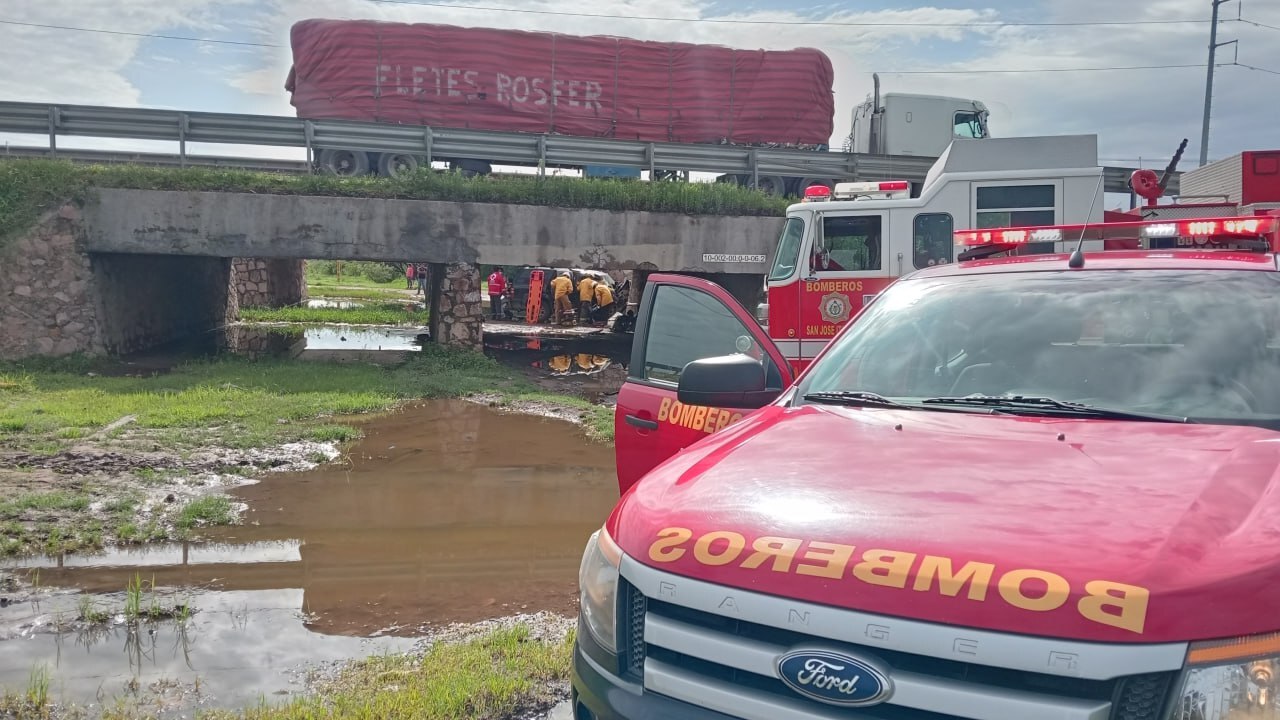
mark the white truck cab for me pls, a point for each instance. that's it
(909, 124)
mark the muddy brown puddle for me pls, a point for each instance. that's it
(446, 512)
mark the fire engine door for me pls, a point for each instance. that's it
(681, 319)
(850, 262)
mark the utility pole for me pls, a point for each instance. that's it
(1208, 85)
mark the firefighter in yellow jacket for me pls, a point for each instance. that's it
(604, 304)
(562, 286)
(586, 294)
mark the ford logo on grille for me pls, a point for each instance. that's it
(834, 678)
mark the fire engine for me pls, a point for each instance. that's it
(841, 247)
(1040, 481)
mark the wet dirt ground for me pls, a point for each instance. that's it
(446, 512)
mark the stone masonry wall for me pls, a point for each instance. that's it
(457, 316)
(46, 303)
(56, 299)
(265, 282)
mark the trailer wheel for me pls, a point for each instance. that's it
(671, 175)
(345, 163)
(772, 185)
(394, 164)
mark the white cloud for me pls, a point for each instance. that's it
(50, 65)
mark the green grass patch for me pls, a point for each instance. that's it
(29, 187)
(383, 314)
(32, 704)
(237, 402)
(352, 293)
(501, 674)
(15, 508)
(204, 511)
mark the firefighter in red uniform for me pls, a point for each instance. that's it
(497, 291)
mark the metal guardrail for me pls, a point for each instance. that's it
(544, 151)
(119, 157)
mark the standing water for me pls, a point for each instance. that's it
(445, 512)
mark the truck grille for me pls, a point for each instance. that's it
(725, 664)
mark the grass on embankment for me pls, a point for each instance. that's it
(234, 402)
(381, 314)
(29, 187)
(371, 292)
(50, 406)
(501, 675)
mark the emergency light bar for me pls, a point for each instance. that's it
(1190, 233)
(895, 189)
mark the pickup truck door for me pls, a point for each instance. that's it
(681, 319)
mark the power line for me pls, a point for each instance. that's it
(137, 34)
(830, 23)
(1255, 23)
(982, 71)
(1256, 68)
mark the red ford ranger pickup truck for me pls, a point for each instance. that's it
(1010, 488)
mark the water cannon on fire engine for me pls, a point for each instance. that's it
(1150, 186)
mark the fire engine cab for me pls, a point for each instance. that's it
(841, 247)
(1029, 483)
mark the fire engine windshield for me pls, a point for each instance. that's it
(1178, 343)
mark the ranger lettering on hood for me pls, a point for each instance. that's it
(1101, 601)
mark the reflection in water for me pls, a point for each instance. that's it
(323, 342)
(447, 512)
(238, 647)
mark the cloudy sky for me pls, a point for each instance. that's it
(953, 47)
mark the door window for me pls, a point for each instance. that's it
(687, 325)
(850, 243)
(969, 125)
(1016, 205)
(933, 239)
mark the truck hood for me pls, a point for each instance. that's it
(1092, 530)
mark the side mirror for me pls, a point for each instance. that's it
(732, 381)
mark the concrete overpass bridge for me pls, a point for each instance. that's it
(128, 270)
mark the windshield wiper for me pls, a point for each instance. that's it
(1014, 403)
(857, 398)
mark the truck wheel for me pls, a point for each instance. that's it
(772, 185)
(394, 164)
(345, 163)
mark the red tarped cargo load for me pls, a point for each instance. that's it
(537, 82)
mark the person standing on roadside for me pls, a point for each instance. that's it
(422, 279)
(497, 291)
(562, 286)
(409, 272)
(586, 292)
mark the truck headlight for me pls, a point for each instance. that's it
(598, 588)
(1230, 679)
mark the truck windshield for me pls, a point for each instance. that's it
(784, 263)
(1180, 343)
